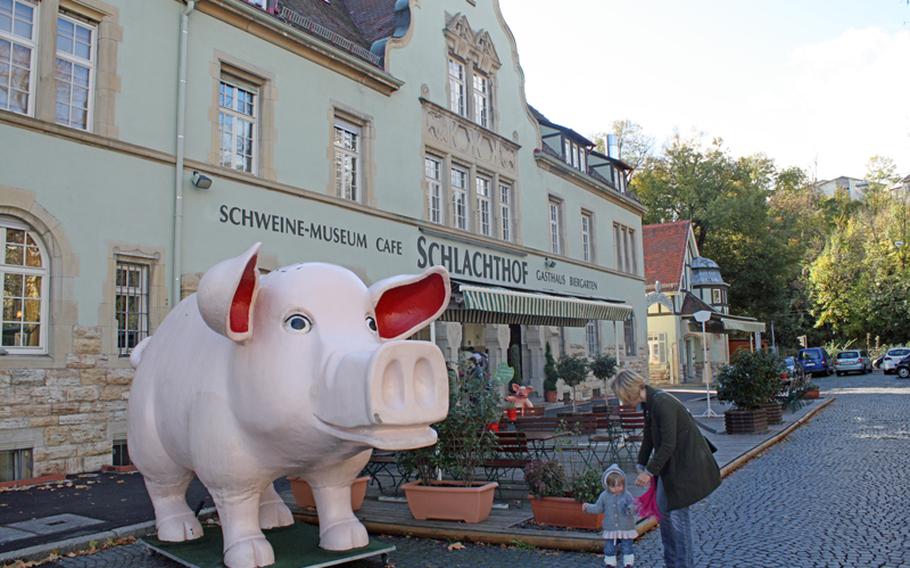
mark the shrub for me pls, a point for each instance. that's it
(549, 370)
(464, 441)
(545, 478)
(750, 380)
(587, 486)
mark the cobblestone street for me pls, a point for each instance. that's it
(833, 494)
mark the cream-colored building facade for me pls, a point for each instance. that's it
(681, 283)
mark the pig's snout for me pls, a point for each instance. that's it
(400, 384)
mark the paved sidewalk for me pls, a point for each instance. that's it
(93, 506)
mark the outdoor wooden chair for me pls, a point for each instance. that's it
(511, 456)
(385, 464)
(537, 424)
(632, 422)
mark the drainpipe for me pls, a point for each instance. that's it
(177, 264)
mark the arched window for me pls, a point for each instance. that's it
(24, 274)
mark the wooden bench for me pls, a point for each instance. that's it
(584, 424)
(511, 455)
(537, 424)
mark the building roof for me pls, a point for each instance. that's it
(665, 252)
(564, 129)
(351, 25)
(705, 272)
(693, 303)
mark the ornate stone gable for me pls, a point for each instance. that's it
(451, 133)
(476, 47)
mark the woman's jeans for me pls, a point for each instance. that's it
(675, 533)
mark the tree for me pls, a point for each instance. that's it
(573, 369)
(633, 144)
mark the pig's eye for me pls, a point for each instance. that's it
(371, 323)
(298, 323)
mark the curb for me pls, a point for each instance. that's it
(42, 551)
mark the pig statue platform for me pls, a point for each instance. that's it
(299, 372)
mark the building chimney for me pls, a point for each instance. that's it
(612, 146)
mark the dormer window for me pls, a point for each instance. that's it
(574, 154)
(472, 66)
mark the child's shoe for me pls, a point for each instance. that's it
(628, 560)
(610, 561)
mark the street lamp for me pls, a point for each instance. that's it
(702, 317)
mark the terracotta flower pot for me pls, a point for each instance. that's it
(811, 394)
(550, 396)
(563, 512)
(471, 504)
(303, 495)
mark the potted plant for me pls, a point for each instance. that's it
(603, 366)
(550, 375)
(811, 391)
(446, 488)
(750, 381)
(573, 369)
(558, 502)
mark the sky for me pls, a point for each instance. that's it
(818, 84)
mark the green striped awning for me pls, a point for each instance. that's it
(484, 304)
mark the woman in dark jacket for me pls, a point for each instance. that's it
(674, 451)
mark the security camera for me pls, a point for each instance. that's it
(201, 181)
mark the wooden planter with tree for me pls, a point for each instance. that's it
(464, 443)
(750, 381)
(773, 412)
(554, 505)
(812, 392)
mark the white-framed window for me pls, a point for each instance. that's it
(238, 124)
(75, 72)
(657, 348)
(432, 172)
(505, 211)
(592, 338)
(626, 250)
(716, 296)
(628, 327)
(348, 154)
(131, 305)
(482, 100)
(18, 55)
(15, 464)
(459, 184)
(484, 205)
(574, 154)
(457, 101)
(587, 243)
(556, 226)
(24, 274)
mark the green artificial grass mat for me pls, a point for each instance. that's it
(296, 546)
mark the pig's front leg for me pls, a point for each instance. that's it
(339, 529)
(244, 544)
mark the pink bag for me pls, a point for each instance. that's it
(647, 502)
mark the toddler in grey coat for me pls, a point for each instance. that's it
(618, 508)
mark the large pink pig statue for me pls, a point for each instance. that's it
(299, 372)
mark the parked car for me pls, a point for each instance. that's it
(903, 368)
(892, 358)
(792, 365)
(855, 360)
(816, 361)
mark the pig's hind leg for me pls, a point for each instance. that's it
(339, 529)
(272, 510)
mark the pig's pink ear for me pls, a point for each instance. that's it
(406, 303)
(515, 387)
(227, 295)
